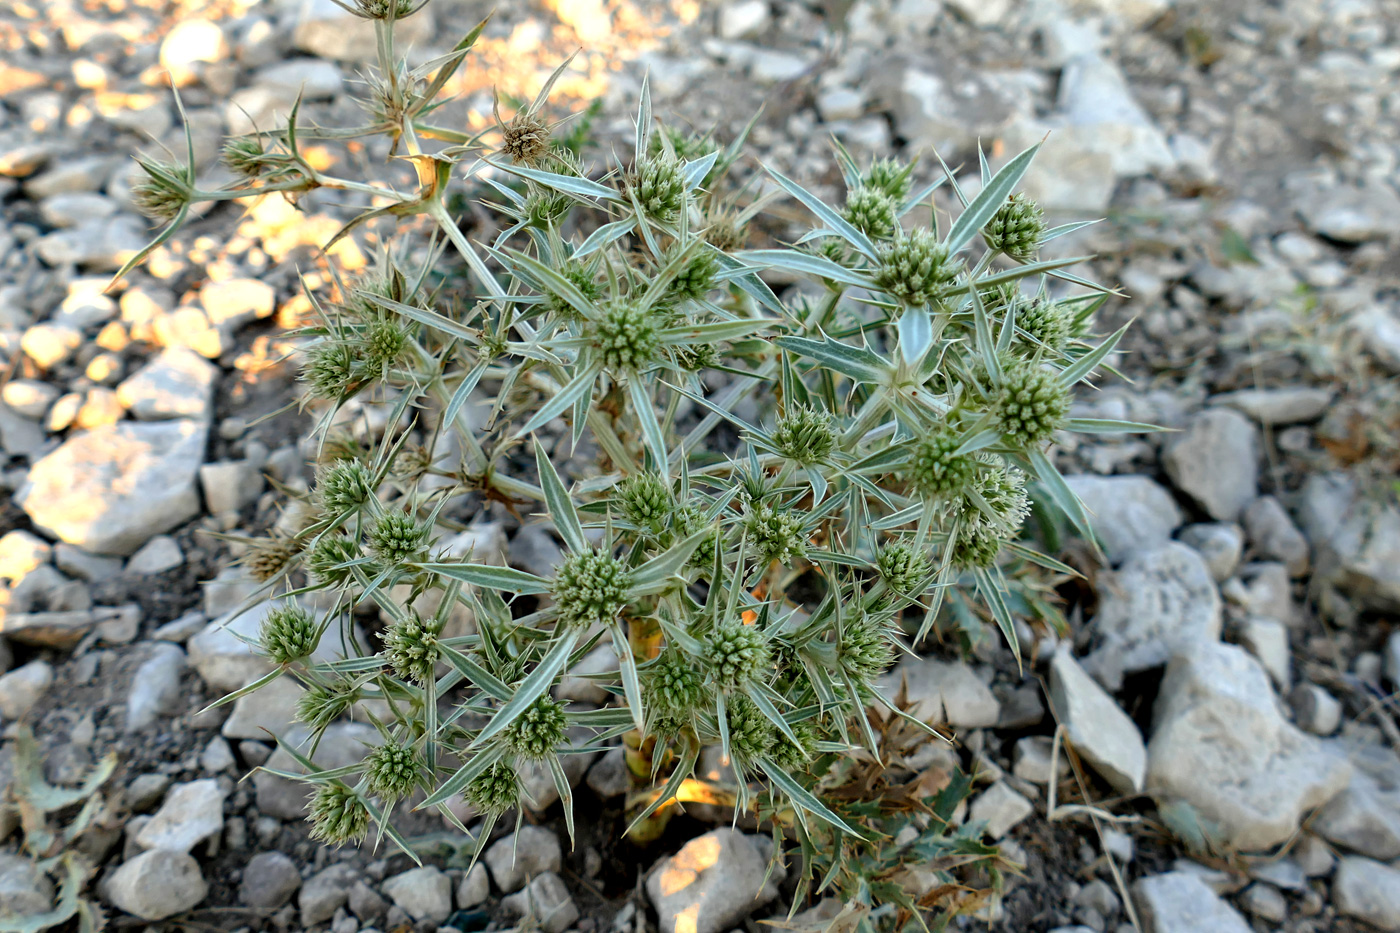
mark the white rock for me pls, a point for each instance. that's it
(216, 757)
(944, 692)
(475, 887)
(949, 108)
(69, 210)
(1128, 513)
(1002, 809)
(1220, 746)
(29, 398)
(546, 902)
(746, 19)
(840, 103)
(1355, 539)
(157, 555)
(982, 13)
(234, 302)
(230, 485)
(225, 661)
(22, 553)
(178, 383)
(50, 344)
(1368, 890)
(1216, 461)
(157, 884)
(1351, 214)
(1267, 640)
(22, 687)
(24, 889)
(1315, 710)
(712, 883)
(1379, 329)
(191, 813)
(1032, 760)
(109, 490)
(269, 709)
(1095, 95)
(520, 856)
(1072, 173)
(1274, 535)
(78, 563)
(574, 686)
(1287, 405)
(423, 893)
(1220, 543)
(327, 31)
(324, 892)
(1365, 817)
(190, 43)
(1180, 902)
(155, 687)
(1159, 599)
(1103, 735)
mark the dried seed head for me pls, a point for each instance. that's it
(625, 336)
(697, 356)
(891, 177)
(776, 533)
(398, 537)
(659, 185)
(1031, 404)
(337, 815)
(413, 462)
(751, 735)
(267, 557)
(538, 731)
(411, 647)
(165, 192)
(805, 435)
(647, 501)
(724, 231)
(392, 770)
(590, 587)
(904, 568)
(526, 139)
(329, 552)
(676, 684)
(344, 486)
(915, 269)
(1046, 324)
(289, 634)
(736, 655)
(320, 706)
(1017, 228)
(495, 790)
(872, 212)
(245, 156)
(936, 470)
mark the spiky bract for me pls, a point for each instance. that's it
(337, 815)
(411, 647)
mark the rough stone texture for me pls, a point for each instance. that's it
(22, 687)
(546, 901)
(1274, 536)
(1287, 405)
(1215, 461)
(323, 892)
(1356, 540)
(1101, 732)
(520, 856)
(1128, 513)
(342, 745)
(1220, 543)
(1002, 809)
(942, 692)
(270, 709)
(1158, 600)
(423, 893)
(712, 883)
(24, 889)
(155, 687)
(190, 814)
(1368, 890)
(109, 490)
(178, 383)
(1221, 747)
(1352, 214)
(157, 884)
(269, 881)
(1365, 817)
(1180, 902)
(475, 887)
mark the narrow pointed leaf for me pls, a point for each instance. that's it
(530, 689)
(505, 579)
(989, 200)
(556, 499)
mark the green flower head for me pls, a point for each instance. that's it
(590, 587)
(411, 647)
(289, 634)
(904, 568)
(892, 177)
(776, 533)
(872, 212)
(320, 706)
(676, 684)
(915, 269)
(647, 501)
(1031, 404)
(344, 486)
(737, 655)
(329, 552)
(659, 186)
(865, 648)
(805, 435)
(337, 815)
(495, 790)
(936, 469)
(626, 336)
(392, 770)
(538, 731)
(1046, 324)
(1017, 229)
(398, 537)
(751, 735)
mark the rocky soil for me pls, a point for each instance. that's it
(1226, 685)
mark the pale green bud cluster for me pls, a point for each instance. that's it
(916, 269)
(736, 655)
(392, 770)
(411, 647)
(904, 568)
(626, 336)
(872, 211)
(647, 501)
(1017, 229)
(398, 537)
(936, 469)
(1046, 323)
(659, 186)
(590, 587)
(344, 486)
(289, 634)
(777, 534)
(338, 815)
(537, 732)
(1031, 404)
(805, 435)
(495, 790)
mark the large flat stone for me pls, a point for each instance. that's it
(111, 489)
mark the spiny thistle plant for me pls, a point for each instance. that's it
(752, 594)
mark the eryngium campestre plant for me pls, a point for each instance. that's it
(752, 583)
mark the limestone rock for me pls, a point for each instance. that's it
(178, 383)
(943, 692)
(1101, 732)
(157, 884)
(1157, 600)
(1215, 461)
(1365, 817)
(190, 814)
(546, 901)
(423, 893)
(711, 884)
(342, 745)
(111, 489)
(1368, 890)
(1221, 746)
(1180, 902)
(520, 856)
(269, 881)
(155, 687)
(1356, 540)
(1128, 513)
